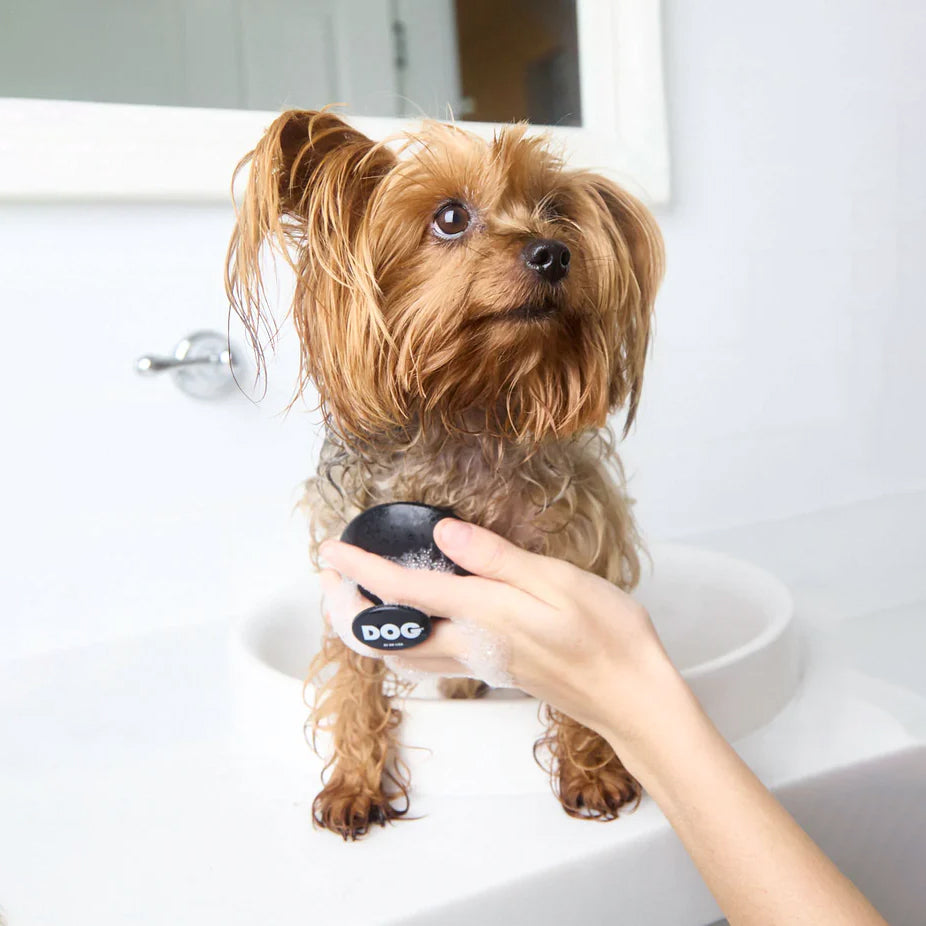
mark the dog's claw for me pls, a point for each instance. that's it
(352, 815)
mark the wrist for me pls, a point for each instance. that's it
(657, 717)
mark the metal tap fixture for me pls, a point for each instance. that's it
(203, 365)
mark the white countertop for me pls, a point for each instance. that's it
(122, 799)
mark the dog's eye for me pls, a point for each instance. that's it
(451, 221)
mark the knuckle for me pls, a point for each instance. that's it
(567, 574)
(640, 614)
(493, 562)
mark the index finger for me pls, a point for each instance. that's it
(485, 553)
(436, 593)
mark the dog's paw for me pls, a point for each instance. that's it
(597, 794)
(350, 814)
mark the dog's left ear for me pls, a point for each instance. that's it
(636, 241)
(309, 182)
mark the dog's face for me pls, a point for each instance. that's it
(455, 280)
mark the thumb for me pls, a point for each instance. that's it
(484, 553)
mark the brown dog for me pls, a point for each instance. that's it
(469, 312)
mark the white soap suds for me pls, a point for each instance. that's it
(342, 605)
(422, 559)
(486, 656)
(407, 672)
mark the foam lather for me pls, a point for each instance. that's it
(404, 533)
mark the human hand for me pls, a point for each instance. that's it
(559, 633)
(588, 649)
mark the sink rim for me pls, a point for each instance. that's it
(764, 584)
(777, 600)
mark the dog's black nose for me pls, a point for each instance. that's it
(548, 257)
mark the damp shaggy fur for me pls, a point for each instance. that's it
(449, 372)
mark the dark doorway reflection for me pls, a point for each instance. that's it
(519, 60)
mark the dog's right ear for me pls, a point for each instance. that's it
(310, 178)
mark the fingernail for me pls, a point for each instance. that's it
(452, 533)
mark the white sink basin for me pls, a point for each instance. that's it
(727, 625)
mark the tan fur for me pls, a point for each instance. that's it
(432, 392)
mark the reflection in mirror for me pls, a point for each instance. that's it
(477, 59)
(519, 60)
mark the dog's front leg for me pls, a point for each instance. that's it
(364, 781)
(588, 777)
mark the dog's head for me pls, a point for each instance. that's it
(450, 279)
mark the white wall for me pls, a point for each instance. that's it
(788, 370)
(787, 374)
(125, 504)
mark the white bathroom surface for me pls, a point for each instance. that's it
(727, 625)
(124, 799)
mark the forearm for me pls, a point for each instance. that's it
(759, 864)
(584, 646)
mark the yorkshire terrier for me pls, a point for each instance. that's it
(470, 312)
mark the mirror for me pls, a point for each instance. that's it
(212, 74)
(478, 60)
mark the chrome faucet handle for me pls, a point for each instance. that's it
(202, 365)
(153, 364)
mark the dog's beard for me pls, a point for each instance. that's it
(525, 373)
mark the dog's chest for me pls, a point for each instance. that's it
(501, 493)
(558, 498)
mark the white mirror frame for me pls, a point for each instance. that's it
(54, 150)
